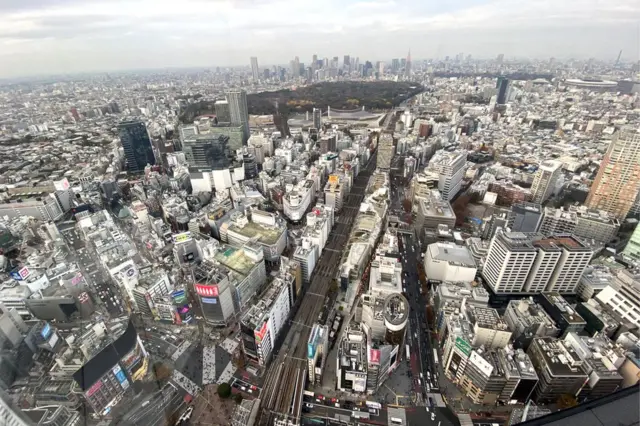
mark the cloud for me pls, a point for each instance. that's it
(114, 34)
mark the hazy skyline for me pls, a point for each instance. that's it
(65, 36)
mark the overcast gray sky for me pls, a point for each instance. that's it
(59, 36)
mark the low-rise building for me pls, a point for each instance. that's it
(449, 262)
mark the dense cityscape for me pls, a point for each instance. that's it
(332, 241)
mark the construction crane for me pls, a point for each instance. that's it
(618, 60)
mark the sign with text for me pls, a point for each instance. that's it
(206, 290)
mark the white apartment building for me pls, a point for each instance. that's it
(545, 179)
(307, 254)
(450, 167)
(263, 322)
(623, 296)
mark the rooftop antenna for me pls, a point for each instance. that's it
(618, 59)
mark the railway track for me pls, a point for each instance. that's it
(282, 391)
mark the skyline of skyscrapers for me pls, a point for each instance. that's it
(617, 183)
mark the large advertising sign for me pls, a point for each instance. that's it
(46, 330)
(374, 356)
(83, 297)
(179, 297)
(185, 314)
(259, 335)
(181, 238)
(207, 290)
(210, 301)
(93, 389)
(464, 347)
(132, 359)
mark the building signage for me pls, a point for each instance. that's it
(16, 276)
(182, 237)
(333, 179)
(209, 300)
(24, 273)
(46, 330)
(83, 297)
(482, 364)
(179, 297)
(259, 335)
(93, 389)
(464, 347)
(206, 290)
(374, 356)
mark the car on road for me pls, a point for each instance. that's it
(308, 405)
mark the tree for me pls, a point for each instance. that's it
(224, 390)
(566, 401)
(161, 371)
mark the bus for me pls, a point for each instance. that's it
(373, 404)
(408, 353)
(435, 356)
(395, 421)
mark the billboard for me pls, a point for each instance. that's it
(122, 378)
(464, 347)
(24, 273)
(333, 179)
(210, 301)
(46, 330)
(206, 290)
(374, 356)
(181, 238)
(83, 297)
(93, 389)
(259, 335)
(184, 314)
(179, 297)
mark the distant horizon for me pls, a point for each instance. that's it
(73, 36)
(247, 67)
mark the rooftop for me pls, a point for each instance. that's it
(267, 235)
(452, 254)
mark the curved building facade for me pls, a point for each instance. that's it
(109, 374)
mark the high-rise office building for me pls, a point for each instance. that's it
(207, 151)
(633, 246)
(317, 118)
(503, 87)
(255, 72)
(529, 263)
(407, 67)
(137, 145)
(618, 181)
(395, 65)
(509, 261)
(545, 180)
(347, 62)
(238, 111)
